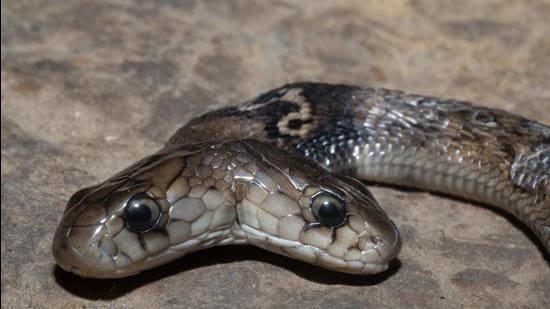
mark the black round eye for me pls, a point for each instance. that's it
(329, 210)
(142, 213)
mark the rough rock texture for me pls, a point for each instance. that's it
(90, 87)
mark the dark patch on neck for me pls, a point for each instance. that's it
(272, 113)
(329, 104)
(295, 124)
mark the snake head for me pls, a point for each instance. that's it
(192, 197)
(297, 208)
(121, 227)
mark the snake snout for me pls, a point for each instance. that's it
(74, 253)
(80, 242)
(388, 244)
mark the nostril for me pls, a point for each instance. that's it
(376, 240)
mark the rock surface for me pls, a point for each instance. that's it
(89, 87)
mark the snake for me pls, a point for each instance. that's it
(286, 171)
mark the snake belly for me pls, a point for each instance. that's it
(280, 172)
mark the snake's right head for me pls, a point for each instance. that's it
(295, 207)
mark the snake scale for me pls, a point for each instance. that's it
(281, 172)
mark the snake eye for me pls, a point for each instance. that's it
(142, 213)
(329, 210)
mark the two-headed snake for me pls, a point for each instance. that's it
(276, 172)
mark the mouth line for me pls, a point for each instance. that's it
(248, 234)
(172, 252)
(347, 266)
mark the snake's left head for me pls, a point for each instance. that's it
(120, 227)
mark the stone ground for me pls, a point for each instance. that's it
(89, 87)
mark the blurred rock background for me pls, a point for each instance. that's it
(88, 87)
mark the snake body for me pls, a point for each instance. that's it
(280, 171)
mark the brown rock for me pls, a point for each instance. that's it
(89, 87)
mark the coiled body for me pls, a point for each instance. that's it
(449, 146)
(273, 192)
